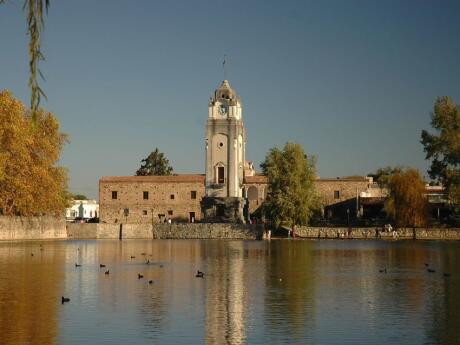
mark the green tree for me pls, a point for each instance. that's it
(292, 198)
(30, 181)
(443, 148)
(35, 25)
(406, 202)
(155, 164)
(79, 197)
(383, 175)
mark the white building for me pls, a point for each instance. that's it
(82, 209)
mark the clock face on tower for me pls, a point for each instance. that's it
(223, 109)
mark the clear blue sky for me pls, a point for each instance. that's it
(353, 81)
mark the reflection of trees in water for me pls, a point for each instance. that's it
(444, 325)
(290, 288)
(30, 293)
(225, 292)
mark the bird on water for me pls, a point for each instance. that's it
(139, 276)
(101, 265)
(199, 274)
(64, 299)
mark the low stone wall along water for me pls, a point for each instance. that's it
(40, 228)
(378, 233)
(162, 230)
(32, 228)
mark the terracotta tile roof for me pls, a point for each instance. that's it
(264, 179)
(159, 179)
(355, 179)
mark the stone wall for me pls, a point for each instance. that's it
(337, 196)
(32, 228)
(175, 197)
(82, 230)
(162, 230)
(378, 233)
(347, 189)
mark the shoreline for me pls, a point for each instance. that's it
(51, 228)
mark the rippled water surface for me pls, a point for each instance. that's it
(278, 292)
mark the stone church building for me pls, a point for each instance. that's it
(229, 191)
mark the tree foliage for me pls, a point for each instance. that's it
(406, 202)
(155, 164)
(383, 175)
(36, 10)
(443, 148)
(292, 198)
(79, 197)
(30, 181)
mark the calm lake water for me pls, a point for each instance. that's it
(254, 292)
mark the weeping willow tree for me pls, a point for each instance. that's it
(36, 10)
(406, 202)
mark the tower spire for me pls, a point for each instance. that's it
(224, 67)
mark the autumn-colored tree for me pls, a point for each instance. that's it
(155, 164)
(30, 181)
(292, 198)
(406, 202)
(443, 148)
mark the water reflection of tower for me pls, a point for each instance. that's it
(225, 294)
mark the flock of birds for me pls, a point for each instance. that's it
(427, 267)
(199, 274)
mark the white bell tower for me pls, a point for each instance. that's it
(225, 156)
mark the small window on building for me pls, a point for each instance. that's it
(171, 196)
(114, 194)
(220, 175)
(336, 194)
(193, 194)
(146, 195)
(144, 212)
(170, 213)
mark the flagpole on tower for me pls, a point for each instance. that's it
(223, 66)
